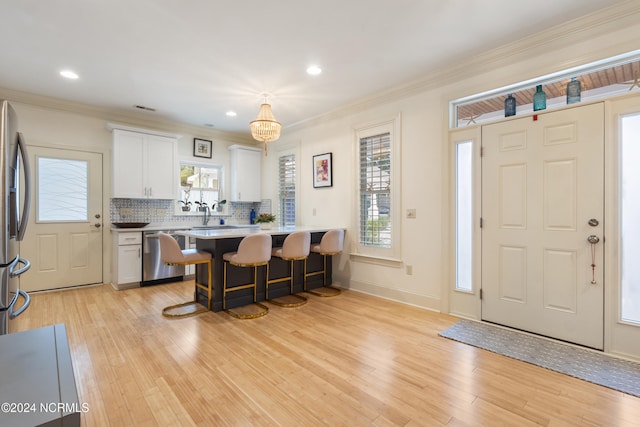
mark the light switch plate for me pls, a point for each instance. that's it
(411, 213)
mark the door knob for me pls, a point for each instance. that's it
(594, 222)
(593, 239)
(97, 225)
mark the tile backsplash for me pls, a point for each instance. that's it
(164, 212)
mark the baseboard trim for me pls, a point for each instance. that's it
(421, 301)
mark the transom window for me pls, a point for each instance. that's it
(598, 80)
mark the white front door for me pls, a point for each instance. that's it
(542, 197)
(64, 234)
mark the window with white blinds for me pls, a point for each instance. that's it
(375, 191)
(287, 189)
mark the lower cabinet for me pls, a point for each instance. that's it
(127, 259)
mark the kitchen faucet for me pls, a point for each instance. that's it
(207, 216)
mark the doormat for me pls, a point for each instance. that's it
(588, 365)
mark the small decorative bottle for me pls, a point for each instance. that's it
(573, 91)
(252, 217)
(509, 106)
(539, 99)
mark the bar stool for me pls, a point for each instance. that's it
(254, 250)
(171, 254)
(295, 247)
(331, 244)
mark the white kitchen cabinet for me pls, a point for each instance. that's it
(144, 165)
(246, 164)
(127, 259)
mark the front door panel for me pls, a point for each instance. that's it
(543, 181)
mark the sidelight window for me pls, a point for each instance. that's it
(630, 212)
(464, 216)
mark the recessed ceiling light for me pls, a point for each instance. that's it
(231, 113)
(314, 70)
(69, 74)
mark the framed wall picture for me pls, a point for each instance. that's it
(202, 148)
(322, 171)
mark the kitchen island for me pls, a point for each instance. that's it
(219, 240)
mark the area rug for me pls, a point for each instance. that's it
(588, 365)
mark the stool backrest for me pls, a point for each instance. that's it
(254, 249)
(296, 245)
(170, 249)
(332, 241)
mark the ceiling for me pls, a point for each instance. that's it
(194, 60)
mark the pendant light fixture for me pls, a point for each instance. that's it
(265, 128)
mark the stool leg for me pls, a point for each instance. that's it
(291, 277)
(224, 286)
(209, 283)
(324, 272)
(255, 281)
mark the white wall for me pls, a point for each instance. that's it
(423, 105)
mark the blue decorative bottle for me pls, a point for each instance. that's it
(509, 106)
(252, 217)
(539, 99)
(573, 91)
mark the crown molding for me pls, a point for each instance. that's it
(621, 15)
(133, 119)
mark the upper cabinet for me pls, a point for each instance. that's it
(144, 165)
(246, 163)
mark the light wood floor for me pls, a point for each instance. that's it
(348, 360)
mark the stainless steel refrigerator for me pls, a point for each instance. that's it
(14, 216)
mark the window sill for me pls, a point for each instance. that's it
(199, 214)
(370, 259)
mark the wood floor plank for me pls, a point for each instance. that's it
(348, 360)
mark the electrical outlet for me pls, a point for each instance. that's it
(411, 213)
(161, 212)
(126, 212)
(409, 270)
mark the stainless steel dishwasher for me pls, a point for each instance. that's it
(153, 269)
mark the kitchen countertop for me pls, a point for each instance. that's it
(159, 227)
(242, 231)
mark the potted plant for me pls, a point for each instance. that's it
(202, 206)
(265, 220)
(186, 205)
(218, 204)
